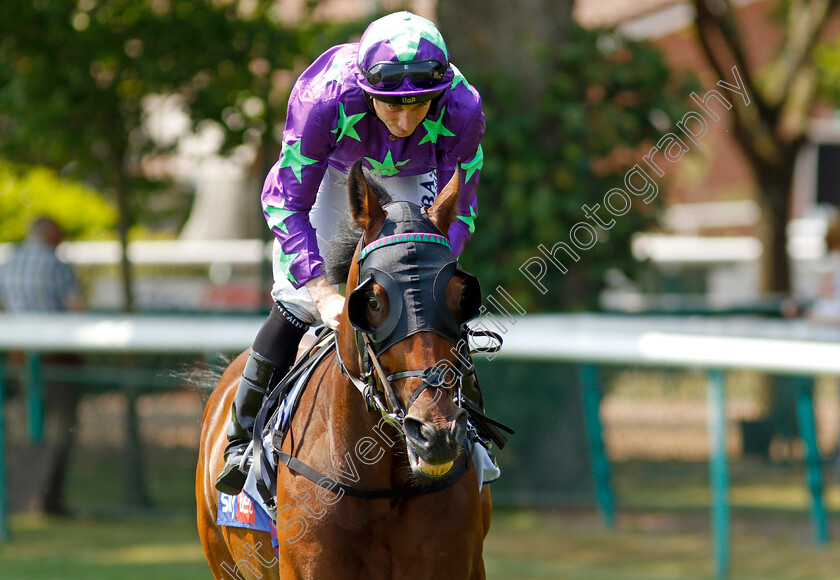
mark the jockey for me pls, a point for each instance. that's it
(393, 99)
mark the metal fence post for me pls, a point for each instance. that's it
(718, 472)
(34, 396)
(813, 468)
(597, 451)
(135, 480)
(4, 500)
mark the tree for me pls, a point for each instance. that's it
(567, 111)
(772, 132)
(29, 193)
(75, 75)
(560, 135)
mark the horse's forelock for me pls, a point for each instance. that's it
(340, 252)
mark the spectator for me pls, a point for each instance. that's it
(35, 280)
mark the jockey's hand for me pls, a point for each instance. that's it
(330, 304)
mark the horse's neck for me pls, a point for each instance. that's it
(347, 411)
(359, 440)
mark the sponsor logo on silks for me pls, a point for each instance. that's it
(245, 509)
(431, 187)
(408, 100)
(227, 504)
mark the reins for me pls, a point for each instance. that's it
(266, 484)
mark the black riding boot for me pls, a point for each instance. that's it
(279, 338)
(256, 379)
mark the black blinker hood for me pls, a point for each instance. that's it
(412, 261)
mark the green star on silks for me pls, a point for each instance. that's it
(290, 156)
(386, 167)
(475, 164)
(435, 129)
(277, 215)
(345, 124)
(286, 263)
(469, 220)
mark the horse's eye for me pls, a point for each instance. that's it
(373, 303)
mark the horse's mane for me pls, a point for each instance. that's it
(343, 245)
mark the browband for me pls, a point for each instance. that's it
(401, 239)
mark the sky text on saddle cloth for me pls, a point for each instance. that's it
(330, 122)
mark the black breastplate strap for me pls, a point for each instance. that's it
(331, 484)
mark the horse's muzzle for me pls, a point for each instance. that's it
(433, 449)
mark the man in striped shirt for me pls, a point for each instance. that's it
(34, 279)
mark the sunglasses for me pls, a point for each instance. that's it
(387, 76)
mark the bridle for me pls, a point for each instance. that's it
(375, 384)
(416, 303)
(414, 268)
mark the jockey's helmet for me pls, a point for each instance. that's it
(403, 60)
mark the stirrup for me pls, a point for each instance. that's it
(235, 472)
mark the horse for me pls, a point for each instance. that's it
(434, 523)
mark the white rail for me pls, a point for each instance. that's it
(788, 347)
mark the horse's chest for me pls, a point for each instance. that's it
(371, 542)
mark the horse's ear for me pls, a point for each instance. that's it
(442, 212)
(364, 205)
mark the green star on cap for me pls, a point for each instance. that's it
(285, 261)
(458, 78)
(386, 167)
(435, 129)
(474, 165)
(277, 215)
(290, 156)
(345, 124)
(469, 220)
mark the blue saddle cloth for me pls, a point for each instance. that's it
(242, 511)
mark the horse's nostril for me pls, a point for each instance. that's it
(416, 431)
(459, 428)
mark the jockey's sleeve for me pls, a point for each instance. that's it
(292, 184)
(468, 153)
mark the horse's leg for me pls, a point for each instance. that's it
(486, 508)
(254, 556)
(486, 514)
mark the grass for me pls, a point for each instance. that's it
(662, 530)
(522, 545)
(88, 547)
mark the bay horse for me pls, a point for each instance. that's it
(424, 530)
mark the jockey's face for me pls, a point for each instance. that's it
(401, 120)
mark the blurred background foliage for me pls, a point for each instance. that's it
(27, 193)
(606, 97)
(827, 61)
(75, 76)
(567, 114)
